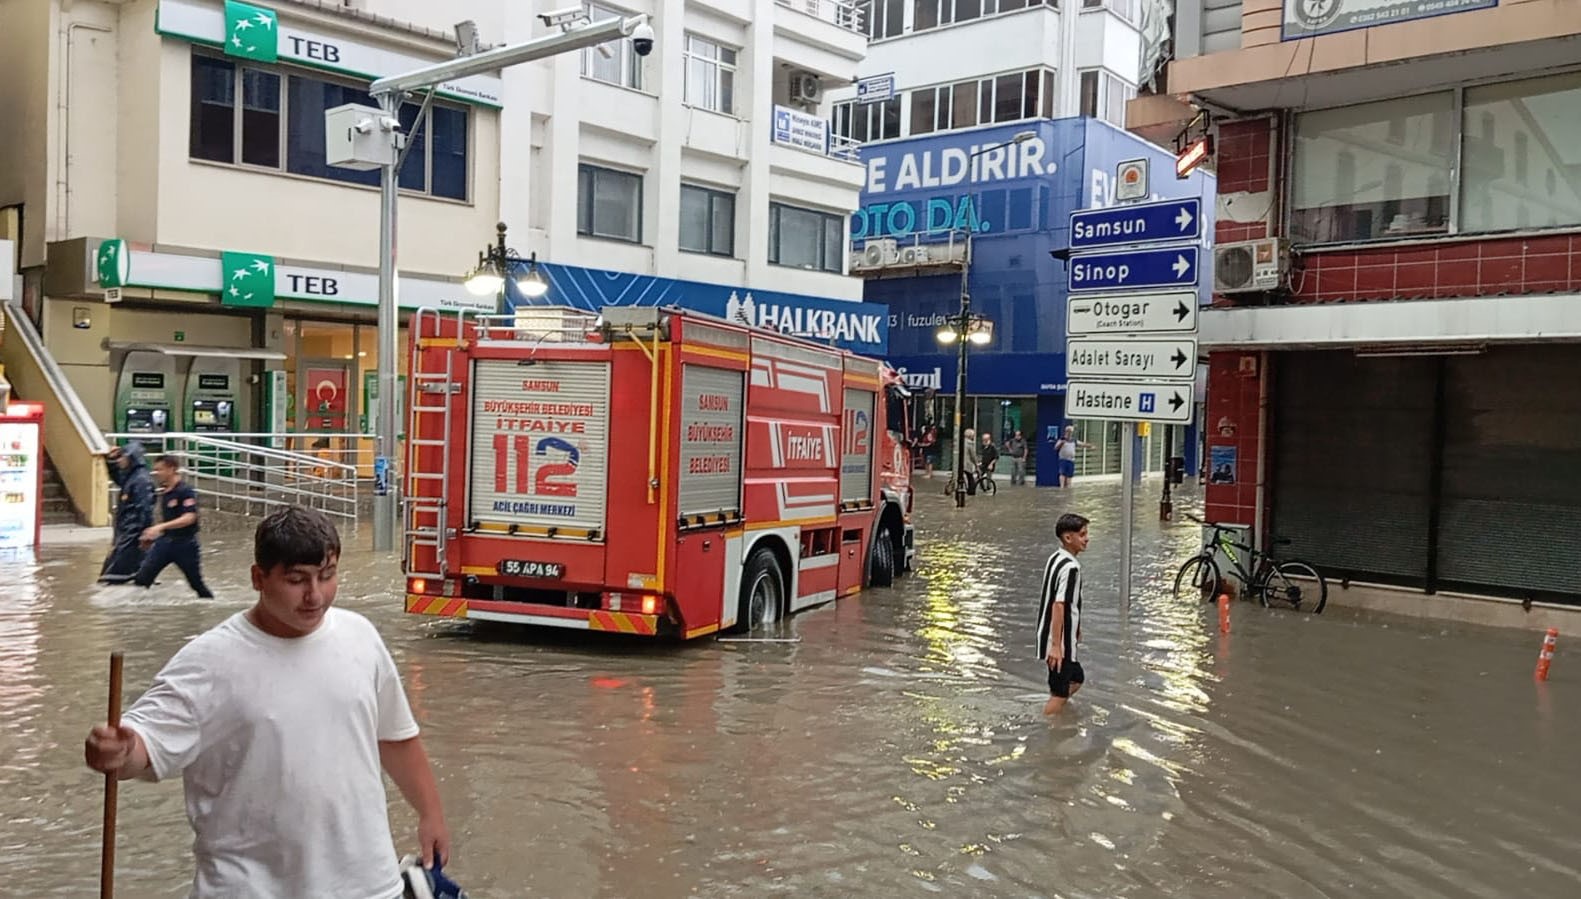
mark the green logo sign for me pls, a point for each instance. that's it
(248, 279)
(250, 32)
(114, 264)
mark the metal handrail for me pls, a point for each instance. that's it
(843, 13)
(72, 404)
(231, 472)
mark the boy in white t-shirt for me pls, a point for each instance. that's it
(279, 720)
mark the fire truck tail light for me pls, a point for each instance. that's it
(650, 605)
(417, 585)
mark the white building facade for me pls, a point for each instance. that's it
(671, 164)
(967, 63)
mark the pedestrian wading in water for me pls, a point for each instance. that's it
(1059, 614)
(279, 721)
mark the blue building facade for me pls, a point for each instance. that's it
(1016, 200)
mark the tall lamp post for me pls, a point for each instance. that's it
(495, 264)
(966, 328)
(575, 33)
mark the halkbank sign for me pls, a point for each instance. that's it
(254, 32)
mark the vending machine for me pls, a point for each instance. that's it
(145, 395)
(21, 474)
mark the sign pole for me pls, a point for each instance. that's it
(1127, 511)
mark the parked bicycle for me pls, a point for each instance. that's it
(1291, 582)
(983, 480)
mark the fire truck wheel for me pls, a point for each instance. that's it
(881, 560)
(762, 591)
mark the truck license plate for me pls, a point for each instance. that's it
(528, 568)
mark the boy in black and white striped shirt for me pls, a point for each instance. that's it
(1059, 616)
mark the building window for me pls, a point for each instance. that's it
(1104, 96)
(806, 238)
(863, 122)
(710, 75)
(622, 66)
(609, 203)
(279, 125)
(1003, 98)
(1539, 115)
(1352, 183)
(708, 221)
(883, 18)
(927, 14)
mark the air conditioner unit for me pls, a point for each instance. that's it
(804, 87)
(1251, 265)
(915, 256)
(875, 254)
(951, 253)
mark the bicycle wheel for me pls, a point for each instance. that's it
(1198, 578)
(985, 485)
(1296, 584)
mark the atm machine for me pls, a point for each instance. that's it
(211, 407)
(145, 395)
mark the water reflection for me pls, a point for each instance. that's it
(897, 748)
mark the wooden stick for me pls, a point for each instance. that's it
(107, 854)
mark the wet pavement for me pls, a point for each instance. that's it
(895, 748)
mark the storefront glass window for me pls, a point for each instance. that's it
(1511, 131)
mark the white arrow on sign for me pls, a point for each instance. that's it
(1183, 218)
(1162, 312)
(1173, 359)
(1170, 403)
(1181, 266)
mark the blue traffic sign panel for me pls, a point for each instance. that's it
(1134, 269)
(1139, 223)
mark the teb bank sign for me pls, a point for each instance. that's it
(911, 167)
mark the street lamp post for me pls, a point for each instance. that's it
(389, 93)
(495, 264)
(967, 328)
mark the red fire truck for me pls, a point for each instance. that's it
(646, 471)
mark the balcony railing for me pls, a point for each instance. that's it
(841, 13)
(842, 147)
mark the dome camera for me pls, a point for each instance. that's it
(642, 39)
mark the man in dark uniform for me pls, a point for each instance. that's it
(134, 512)
(175, 537)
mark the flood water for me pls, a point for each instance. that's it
(891, 744)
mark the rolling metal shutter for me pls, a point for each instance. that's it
(856, 452)
(711, 409)
(1512, 469)
(540, 443)
(1352, 454)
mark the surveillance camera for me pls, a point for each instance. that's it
(565, 18)
(642, 39)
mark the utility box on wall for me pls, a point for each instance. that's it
(355, 137)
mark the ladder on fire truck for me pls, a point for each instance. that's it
(426, 500)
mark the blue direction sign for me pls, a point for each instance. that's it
(1134, 269)
(1138, 223)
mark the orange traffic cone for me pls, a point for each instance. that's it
(1224, 613)
(1546, 654)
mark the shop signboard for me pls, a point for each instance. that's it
(1309, 18)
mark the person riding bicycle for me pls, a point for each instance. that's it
(987, 457)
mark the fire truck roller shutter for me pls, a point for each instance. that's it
(540, 443)
(856, 446)
(711, 440)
